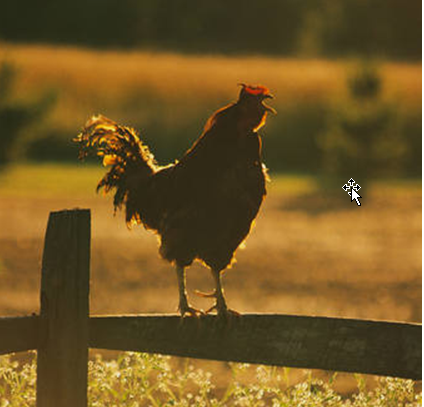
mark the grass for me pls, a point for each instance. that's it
(50, 180)
(311, 252)
(135, 379)
(174, 88)
(317, 253)
(62, 180)
(168, 97)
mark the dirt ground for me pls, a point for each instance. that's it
(308, 254)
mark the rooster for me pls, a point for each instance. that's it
(201, 207)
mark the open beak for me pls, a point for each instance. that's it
(269, 108)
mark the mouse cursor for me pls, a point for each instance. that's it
(356, 196)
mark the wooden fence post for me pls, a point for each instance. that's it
(62, 362)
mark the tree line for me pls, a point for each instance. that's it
(331, 28)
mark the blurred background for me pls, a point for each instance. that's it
(346, 75)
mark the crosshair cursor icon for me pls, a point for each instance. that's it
(356, 196)
(352, 189)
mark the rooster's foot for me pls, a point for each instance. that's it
(186, 310)
(223, 311)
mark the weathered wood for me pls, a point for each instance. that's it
(347, 345)
(18, 334)
(63, 355)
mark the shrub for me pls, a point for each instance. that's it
(363, 137)
(17, 116)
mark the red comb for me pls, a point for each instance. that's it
(256, 90)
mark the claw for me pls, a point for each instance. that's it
(223, 311)
(209, 310)
(186, 310)
(229, 313)
(183, 307)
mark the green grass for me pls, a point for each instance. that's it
(80, 179)
(50, 180)
(137, 379)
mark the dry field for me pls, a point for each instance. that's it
(312, 251)
(145, 86)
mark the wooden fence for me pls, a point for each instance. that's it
(64, 331)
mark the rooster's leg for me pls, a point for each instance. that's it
(183, 306)
(221, 304)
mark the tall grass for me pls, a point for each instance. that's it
(92, 80)
(170, 96)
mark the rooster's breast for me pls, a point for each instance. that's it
(210, 206)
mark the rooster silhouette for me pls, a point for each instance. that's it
(202, 206)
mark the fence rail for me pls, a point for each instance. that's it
(18, 334)
(64, 330)
(349, 345)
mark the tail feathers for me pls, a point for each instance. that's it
(122, 150)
